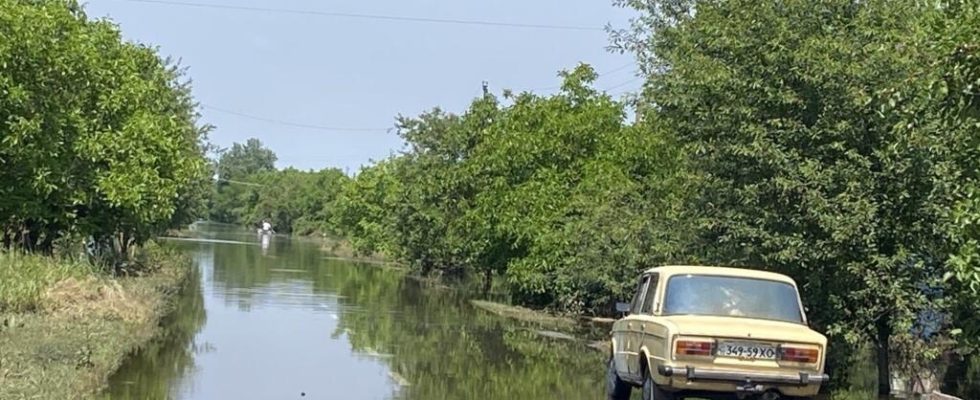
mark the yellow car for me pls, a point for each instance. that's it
(715, 333)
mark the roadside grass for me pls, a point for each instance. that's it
(337, 247)
(25, 278)
(852, 394)
(344, 249)
(65, 328)
(525, 314)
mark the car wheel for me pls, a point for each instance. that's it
(616, 389)
(653, 392)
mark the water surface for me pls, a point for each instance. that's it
(280, 319)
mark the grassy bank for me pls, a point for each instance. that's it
(64, 327)
(525, 314)
(342, 248)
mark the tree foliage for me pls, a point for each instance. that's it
(244, 160)
(98, 136)
(250, 190)
(554, 193)
(296, 201)
(833, 141)
(827, 151)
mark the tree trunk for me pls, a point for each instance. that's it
(884, 362)
(487, 280)
(46, 244)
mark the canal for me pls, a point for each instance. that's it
(283, 320)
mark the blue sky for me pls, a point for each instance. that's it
(328, 72)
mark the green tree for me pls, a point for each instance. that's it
(233, 195)
(364, 207)
(319, 204)
(943, 101)
(566, 190)
(98, 136)
(555, 193)
(251, 190)
(244, 160)
(438, 191)
(789, 112)
(291, 199)
(955, 88)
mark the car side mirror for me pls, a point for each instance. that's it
(623, 308)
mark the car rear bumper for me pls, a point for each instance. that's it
(695, 374)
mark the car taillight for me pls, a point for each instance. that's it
(799, 354)
(692, 347)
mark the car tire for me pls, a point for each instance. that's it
(616, 389)
(653, 392)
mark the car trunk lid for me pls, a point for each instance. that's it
(744, 329)
(748, 343)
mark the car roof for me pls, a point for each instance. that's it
(722, 271)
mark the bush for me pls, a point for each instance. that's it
(25, 278)
(100, 135)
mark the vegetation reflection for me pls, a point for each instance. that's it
(151, 374)
(439, 347)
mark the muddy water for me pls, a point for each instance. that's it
(274, 318)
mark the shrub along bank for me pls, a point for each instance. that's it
(65, 327)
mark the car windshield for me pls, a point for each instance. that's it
(732, 296)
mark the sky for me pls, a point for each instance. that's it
(323, 90)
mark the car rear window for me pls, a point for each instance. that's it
(732, 296)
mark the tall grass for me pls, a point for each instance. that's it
(72, 324)
(24, 278)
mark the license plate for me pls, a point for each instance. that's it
(757, 351)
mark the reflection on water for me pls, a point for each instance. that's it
(266, 239)
(286, 322)
(171, 356)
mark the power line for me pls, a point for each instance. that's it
(622, 84)
(617, 69)
(368, 16)
(290, 123)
